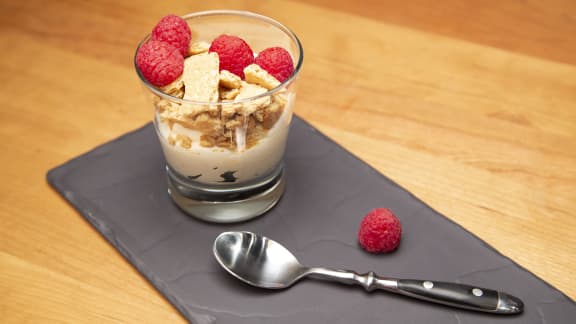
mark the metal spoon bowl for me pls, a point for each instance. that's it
(264, 263)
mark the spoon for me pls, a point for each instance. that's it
(264, 263)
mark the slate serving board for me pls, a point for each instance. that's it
(120, 188)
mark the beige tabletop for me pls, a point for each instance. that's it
(471, 107)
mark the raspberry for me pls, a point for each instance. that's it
(159, 63)
(277, 61)
(234, 53)
(174, 31)
(380, 231)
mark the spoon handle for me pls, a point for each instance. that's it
(447, 293)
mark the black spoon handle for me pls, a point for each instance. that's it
(447, 293)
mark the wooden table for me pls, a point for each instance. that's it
(470, 106)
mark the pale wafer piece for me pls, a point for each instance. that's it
(248, 90)
(229, 80)
(253, 73)
(201, 77)
(198, 48)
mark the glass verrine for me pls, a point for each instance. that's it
(224, 159)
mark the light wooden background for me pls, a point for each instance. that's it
(471, 105)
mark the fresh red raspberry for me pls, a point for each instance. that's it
(160, 63)
(174, 31)
(277, 61)
(234, 53)
(380, 231)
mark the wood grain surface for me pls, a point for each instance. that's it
(469, 105)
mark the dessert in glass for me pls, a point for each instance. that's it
(223, 85)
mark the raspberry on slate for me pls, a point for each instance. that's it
(380, 231)
(234, 53)
(277, 61)
(160, 63)
(174, 31)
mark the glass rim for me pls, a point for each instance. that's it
(248, 14)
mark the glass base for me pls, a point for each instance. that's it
(226, 205)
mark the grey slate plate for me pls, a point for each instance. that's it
(120, 189)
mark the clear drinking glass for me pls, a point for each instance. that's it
(224, 161)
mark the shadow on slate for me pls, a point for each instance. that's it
(120, 188)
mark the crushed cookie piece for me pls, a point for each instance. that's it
(233, 123)
(256, 134)
(163, 105)
(171, 140)
(184, 141)
(271, 115)
(198, 48)
(228, 110)
(228, 94)
(176, 88)
(248, 90)
(178, 94)
(207, 141)
(280, 97)
(229, 80)
(255, 74)
(229, 124)
(259, 115)
(206, 124)
(225, 142)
